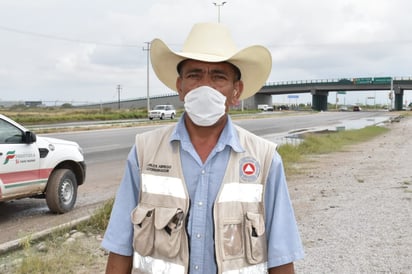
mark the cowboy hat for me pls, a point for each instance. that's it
(212, 42)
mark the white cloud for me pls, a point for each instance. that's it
(81, 50)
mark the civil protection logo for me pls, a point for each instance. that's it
(10, 155)
(249, 169)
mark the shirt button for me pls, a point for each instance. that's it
(198, 236)
(203, 171)
(200, 203)
(196, 267)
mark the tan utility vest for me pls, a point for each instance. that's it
(160, 239)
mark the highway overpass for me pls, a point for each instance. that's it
(320, 88)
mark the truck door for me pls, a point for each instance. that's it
(19, 163)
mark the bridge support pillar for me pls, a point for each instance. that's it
(398, 99)
(319, 100)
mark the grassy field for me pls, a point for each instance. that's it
(325, 143)
(50, 115)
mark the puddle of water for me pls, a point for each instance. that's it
(284, 138)
(293, 137)
(359, 123)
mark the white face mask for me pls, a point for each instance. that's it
(205, 105)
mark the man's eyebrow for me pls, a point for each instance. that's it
(191, 70)
(219, 71)
(211, 71)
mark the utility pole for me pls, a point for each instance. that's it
(218, 9)
(391, 95)
(119, 88)
(147, 49)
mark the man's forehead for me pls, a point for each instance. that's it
(194, 64)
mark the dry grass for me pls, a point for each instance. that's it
(61, 252)
(325, 143)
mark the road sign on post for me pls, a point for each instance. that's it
(293, 96)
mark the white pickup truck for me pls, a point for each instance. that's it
(39, 167)
(265, 107)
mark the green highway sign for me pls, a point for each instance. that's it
(382, 80)
(363, 81)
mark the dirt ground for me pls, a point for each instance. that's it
(354, 207)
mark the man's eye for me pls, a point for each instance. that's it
(219, 77)
(192, 76)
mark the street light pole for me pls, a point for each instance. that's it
(218, 9)
(147, 48)
(119, 88)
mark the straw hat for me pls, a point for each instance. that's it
(212, 42)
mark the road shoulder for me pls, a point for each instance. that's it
(354, 207)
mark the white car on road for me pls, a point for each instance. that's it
(39, 167)
(162, 112)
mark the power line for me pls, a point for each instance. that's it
(292, 44)
(60, 38)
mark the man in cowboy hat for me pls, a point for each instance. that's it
(204, 195)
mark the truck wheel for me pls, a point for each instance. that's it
(162, 116)
(172, 116)
(61, 191)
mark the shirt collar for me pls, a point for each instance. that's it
(229, 136)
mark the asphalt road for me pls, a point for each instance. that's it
(106, 151)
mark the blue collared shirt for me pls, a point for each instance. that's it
(203, 182)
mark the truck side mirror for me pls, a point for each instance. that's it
(29, 137)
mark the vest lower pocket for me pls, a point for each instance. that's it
(232, 239)
(256, 246)
(168, 224)
(144, 232)
(157, 230)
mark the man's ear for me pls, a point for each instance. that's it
(237, 91)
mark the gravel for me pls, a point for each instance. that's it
(353, 207)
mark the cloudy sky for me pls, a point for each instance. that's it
(80, 51)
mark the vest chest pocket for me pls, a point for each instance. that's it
(256, 245)
(157, 229)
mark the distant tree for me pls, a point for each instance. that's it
(18, 107)
(67, 105)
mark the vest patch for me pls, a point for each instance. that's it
(249, 169)
(158, 167)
